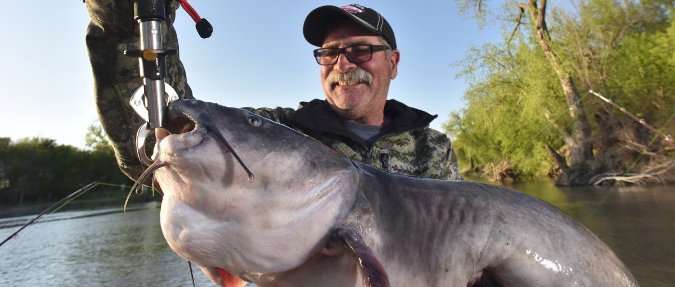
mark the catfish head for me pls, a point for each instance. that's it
(216, 214)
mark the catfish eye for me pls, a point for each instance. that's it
(255, 121)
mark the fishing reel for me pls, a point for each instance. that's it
(150, 100)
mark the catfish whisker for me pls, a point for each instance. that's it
(139, 182)
(213, 129)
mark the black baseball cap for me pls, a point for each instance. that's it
(318, 21)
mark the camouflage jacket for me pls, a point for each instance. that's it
(408, 146)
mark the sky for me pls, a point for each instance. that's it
(256, 57)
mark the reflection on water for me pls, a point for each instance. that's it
(110, 248)
(113, 249)
(638, 223)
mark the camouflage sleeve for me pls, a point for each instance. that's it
(422, 152)
(112, 30)
(451, 163)
(443, 162)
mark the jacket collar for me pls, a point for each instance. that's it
(317, 119)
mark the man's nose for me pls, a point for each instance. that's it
(343, 64)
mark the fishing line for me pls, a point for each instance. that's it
(651, 142)
(54, 207)
(665, 137)
(191, 273)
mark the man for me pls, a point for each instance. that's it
(358, 57)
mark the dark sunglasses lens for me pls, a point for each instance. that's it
(325, 56)
(359, 54)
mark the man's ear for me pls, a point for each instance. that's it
(393, 61)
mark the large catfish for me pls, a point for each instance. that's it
(312, 217)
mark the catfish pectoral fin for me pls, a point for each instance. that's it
(229, 280)
(371, 269)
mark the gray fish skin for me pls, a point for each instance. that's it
(458, 233)
(276, 229)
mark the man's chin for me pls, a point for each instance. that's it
(346, 111)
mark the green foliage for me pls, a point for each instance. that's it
(505, 117)
(97, 140)
(644, 74)
(515, 106)
(475, 7)
(624, 51)
(40, 170)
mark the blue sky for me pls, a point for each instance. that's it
(256, 57)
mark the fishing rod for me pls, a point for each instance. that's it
(668, 138)
(54, 207)
(151, 99)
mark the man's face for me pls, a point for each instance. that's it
(358, 101)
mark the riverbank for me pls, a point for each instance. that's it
(80, 204)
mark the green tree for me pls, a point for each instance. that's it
(524, 93)
(505, 120)
(40, 170)
(96, 139)
(4, 147)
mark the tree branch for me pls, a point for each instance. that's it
(522, 8)
(559, 160)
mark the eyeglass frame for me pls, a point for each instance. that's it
(373, 49)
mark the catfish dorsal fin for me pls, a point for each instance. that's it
(372, 271)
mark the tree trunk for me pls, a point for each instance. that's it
(579, 140)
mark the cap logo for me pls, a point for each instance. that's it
(353, 8)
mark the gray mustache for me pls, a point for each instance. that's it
(357, 75)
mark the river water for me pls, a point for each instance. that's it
(111, 248)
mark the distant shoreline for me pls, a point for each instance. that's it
(7, 211)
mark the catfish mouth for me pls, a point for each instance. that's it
(180, 124)
(188, 123)
(192, 116)
(181, 131)
(184, 116)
